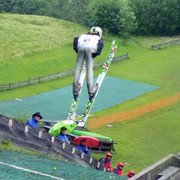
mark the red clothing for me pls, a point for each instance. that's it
(130, 174)
(108, 165)
(106, 161)
(118, 171)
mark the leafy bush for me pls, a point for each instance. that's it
(160, 17)
(115, 16)
(120, 17)
(24, 6)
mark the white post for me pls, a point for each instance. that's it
(73, 150)
(63, 145)
(82, 155)
(52, 139)
(90, 161)
(40, 134)
(26, 129)
(10, 122)
(98, 164)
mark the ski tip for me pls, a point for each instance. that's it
(115, 43)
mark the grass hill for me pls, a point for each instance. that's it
(142, 140)
(20, 33)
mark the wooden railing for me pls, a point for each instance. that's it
(176, 42)
(53, 76)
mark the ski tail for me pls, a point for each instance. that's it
(75, 100)
(98, 83)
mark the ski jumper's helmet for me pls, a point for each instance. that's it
(96, 30)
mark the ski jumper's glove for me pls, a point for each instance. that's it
(99, 49)
(75, 44)
(93, 55)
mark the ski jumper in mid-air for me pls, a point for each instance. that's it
(87, 47)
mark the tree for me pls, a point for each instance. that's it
(58, 9)
(77, 10)
(24, 6)
(159, 17)
(115, 16)
(6, 5)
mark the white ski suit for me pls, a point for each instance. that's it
(87, 47)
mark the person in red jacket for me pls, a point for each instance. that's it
(107, 161)
(119, 169)
(130, 174)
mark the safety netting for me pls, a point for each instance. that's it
(17, 166)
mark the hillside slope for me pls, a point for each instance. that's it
(26, 33)
(142, 140)
(33, 46)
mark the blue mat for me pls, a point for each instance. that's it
(54, 105)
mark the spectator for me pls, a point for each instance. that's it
(118, 169)
(62, 136)
(107, 161)
(130, 174)
(83, 148)
(35, 119)
(87, 47)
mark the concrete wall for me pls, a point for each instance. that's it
(167, 168)
(27, 137)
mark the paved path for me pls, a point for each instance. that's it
(124, 116)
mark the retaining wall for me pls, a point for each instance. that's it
(27, 137)
(167, 168)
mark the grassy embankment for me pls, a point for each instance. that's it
(142, 140)
(6, 145)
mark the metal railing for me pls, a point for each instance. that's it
(53, 76)
(176, 42)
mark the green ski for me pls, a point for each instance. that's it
(75, 101)
(98, 83)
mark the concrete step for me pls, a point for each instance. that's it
(168, 172)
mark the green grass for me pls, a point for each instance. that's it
(145, 139)
(38, 64)
(142, 140)
(160, 68)
(6, 145)
(23, 34)
(47, 43)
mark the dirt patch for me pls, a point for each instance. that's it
(124, 116)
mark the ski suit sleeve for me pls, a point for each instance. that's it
(75, 44)
(99, 49)
(100, 46)
(88, 152)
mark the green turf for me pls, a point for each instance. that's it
(62, 98)
(142, 140)
(50, 166)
